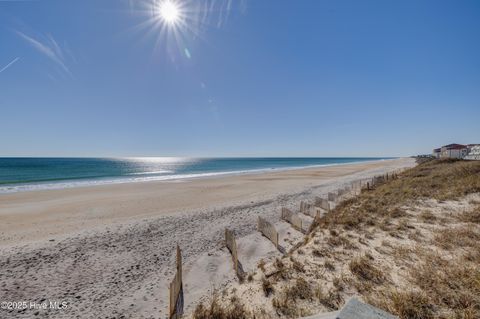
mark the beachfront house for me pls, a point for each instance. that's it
(473, 152)
(453, 151)
(436, 152)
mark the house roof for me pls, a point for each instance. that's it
(437, 150)
(454, 146)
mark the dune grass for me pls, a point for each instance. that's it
(217, 310)
(395, 246)
(439, 179)
(443, 282)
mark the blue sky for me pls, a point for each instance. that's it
(238, 78)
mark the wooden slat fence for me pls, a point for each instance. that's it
(292, 218)
(357, 187)
(176, 290)
(268, 230)
(302, 206)
(322, 203)
(309, 209)
(332, 197)
(232, 247)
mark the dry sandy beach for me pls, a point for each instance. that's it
(108, 250)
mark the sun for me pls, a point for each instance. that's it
(169, 12)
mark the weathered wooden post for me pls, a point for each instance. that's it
(268, 230)
(324, 204)
(332, 196)
(176, 290)
(293, 219)
(232, 247)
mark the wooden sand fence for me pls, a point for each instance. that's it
(378, 180)
(292, 218)
(348, 191)
(323, 203)
(332, 197)
(381, 179)
(357, 187)
(309, 209)
(302, 207)
(340, 192)
(315, 212)
(268, 230)
(393, 175)
(176, 290)
(232, 247)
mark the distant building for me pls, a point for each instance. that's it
(473, 152)
(469, 151)
(453, 151)
(470, 146)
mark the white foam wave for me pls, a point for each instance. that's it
(152, 172)
(132, 178)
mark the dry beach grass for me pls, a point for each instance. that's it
(410, 246)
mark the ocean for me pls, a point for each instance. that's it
(27, 174)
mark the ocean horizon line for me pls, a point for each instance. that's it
(192, 157)
(31, 174)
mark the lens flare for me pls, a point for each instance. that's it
(175, 24)
(169, 12)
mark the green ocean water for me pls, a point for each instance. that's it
(24, 174)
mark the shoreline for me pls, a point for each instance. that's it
(29, 216)
(115, 243)
(13, 188)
